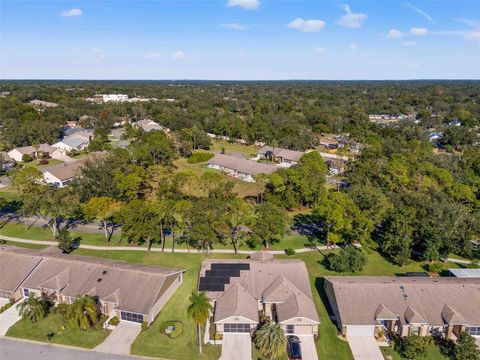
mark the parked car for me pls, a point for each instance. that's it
(293, 348)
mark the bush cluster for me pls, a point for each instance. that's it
(199, 156)
(349, 259)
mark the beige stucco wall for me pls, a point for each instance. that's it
(164, 298)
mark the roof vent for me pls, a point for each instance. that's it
(99, 280)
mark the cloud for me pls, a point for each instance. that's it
(469, 35)
(153, 55)
(366, 55)
(245, 4)
(419, 31)
(178, 55)
(395, 34)
(233, 26)
(409, 43)
(353, 46)
(421, 12)
(319, 50)
(307, 25)
(72, 12)
(473, 35)
(351, 19)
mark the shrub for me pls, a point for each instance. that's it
(5, 307)
(413, 346)
(26, 158)
(289, 251)
(65, 241)
(199, 156)
(177, 328)
(435, 267)
(114, 321)
(42, 162)
(145, 326)
(350, 259)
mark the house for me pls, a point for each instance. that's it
(465, 273)
(6, 161)
(443, 306)
(78, 141)
(328, 143)
(114, 98)
(17, 153)
(132, 292)
(434, 136)
(286, 157)
(242, 169)
(42, 103)
(244, 292)
(148, 125)
(62, 175)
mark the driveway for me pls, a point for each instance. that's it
(307, 344)
(236, 347)
(120, 339)
(364, 348)
(8, 318)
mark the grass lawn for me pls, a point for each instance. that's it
(51, 162)
(9, 193)
(433, 353)
(53, 323)
(229, 147)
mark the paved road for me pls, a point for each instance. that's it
(12, 349)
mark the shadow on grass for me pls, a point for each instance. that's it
(320, 287)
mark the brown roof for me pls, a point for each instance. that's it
(242, 165)
(271, 281)
(236, 301)
(287, 154)
(66, 171)
(415, 300)
(134, 287)
(15, 268)
(31, 150)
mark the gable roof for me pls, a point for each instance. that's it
(15, 268)
(287, 154)
(66, 171)
(30, 150)
(412, 316)
(242, 165)
(384, 313)
(452, 317)
(236, 301)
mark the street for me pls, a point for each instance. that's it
(12, 349)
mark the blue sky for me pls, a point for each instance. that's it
(240, 39)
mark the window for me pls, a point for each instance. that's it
(132, 317)
(26, 292)
(236, 328)
(290, 329)
(473, 330)
(4, 294)
(415, 330)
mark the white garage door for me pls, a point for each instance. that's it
(360, 330)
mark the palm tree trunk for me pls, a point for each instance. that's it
(199, 338)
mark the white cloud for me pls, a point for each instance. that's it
(473, 35)
(351, 19)
(319, 50)
(178, 55)
(353, 46)
(245, 4)
(395, 34)
(421, 12)
(72, 12)
(419, 31)
(153, 55)
(307, 25)
(233, 26)
(409, 43)
(366, 55)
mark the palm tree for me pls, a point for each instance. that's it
(83, 313)
(34, 308)
(270, 340)
(199, 311)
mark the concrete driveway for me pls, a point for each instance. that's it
(307, 344)
(8, 318)
(121, 338)
(236, 347)
(364, 348)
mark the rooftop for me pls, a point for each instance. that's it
(242, 165)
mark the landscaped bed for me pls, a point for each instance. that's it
(172, 329)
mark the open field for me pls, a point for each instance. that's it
(249, 150)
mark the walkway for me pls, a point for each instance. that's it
(13, 349)
(120, 339)
(364, 348)
(139, 248)
(8, 318)
(236, 347)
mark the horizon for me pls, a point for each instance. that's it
(240, 40)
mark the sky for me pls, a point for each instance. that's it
(240, 39)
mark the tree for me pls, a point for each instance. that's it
(26, 180)
(396, 238)
(83, 313)
(65, 241)
(414, 346)
(270, 224)
(33, 308)
(153, 148)
(140, 222)
(199, 311)
(270, 340)
(349, 259)
(102, 209)
(466, 348)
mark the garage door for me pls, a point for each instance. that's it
(236, 328)
(360, 330)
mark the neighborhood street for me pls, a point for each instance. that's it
(11, 349)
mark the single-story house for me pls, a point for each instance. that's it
(465, 273)
(17, 153)
(443, 306)
(42, 103)
(132, 292)
(78, 141)
(114, 97)
(7, 162)
(286, 157)
(242, 169)
(148, 125)
(62, 175)
(245, 291)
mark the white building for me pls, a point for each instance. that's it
(114, 97)
(77, 141)
(62, 175)
(17, 153)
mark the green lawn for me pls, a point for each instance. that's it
(53, 323)
(249, 150)
(432, 354)
(9, 193)
(51, 162)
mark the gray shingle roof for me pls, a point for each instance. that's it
(242, 165)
